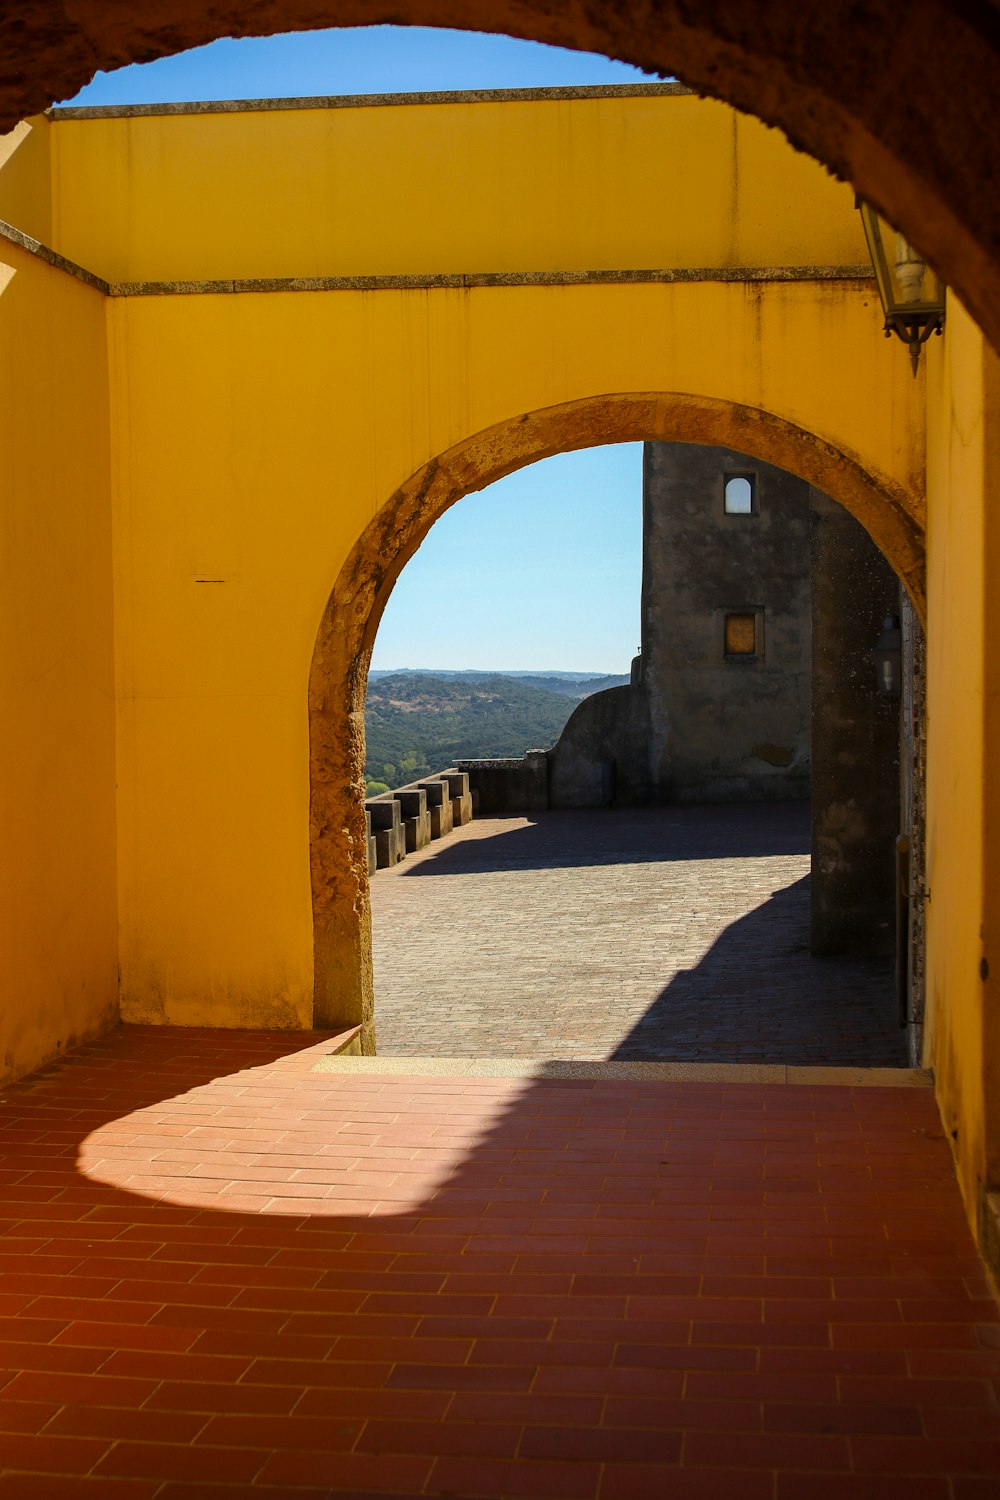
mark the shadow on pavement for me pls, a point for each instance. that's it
(616, 836)
(759, 996)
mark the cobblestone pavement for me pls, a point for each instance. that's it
(668, 933)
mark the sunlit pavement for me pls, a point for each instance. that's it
(667, 933)
(225, 1273)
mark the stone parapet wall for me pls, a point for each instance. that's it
(408, 818)
(506, 786)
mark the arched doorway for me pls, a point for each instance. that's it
(341, 912)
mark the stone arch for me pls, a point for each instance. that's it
(902, 108)
(346, 636)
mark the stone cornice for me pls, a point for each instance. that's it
(432, 281)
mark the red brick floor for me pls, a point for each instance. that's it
(225, 1275)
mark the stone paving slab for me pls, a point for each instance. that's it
(666, 934)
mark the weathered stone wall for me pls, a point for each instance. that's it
(508, 787)
(602, 755)
(855, 740)
(913, 814)
(698, 725)
(724, 727)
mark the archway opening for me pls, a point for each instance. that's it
(655, 882)
(346, 638)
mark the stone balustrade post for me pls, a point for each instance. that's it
(416, 817)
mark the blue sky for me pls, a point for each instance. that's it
(541, 570)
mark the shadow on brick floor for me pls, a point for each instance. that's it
(225, 1274)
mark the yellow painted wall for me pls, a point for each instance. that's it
(990, 976)
(258, 435)
(963, 784)
(255, 436)
(571, 184)
(58, 942)
(26, 178)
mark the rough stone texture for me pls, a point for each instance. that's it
(724, 729)
(677, 934)
(461, 796)
(439, 807)
(444, 281)
(505, 786)
(362, 101)
(387, 824)
(913, 805)
(855, 741)
(606, 740)
(415, 816)
(905, 112)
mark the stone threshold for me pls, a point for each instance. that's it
(597, 1070)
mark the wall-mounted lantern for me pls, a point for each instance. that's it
(912, 294)
(888, 658)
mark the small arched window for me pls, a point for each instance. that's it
(740, 494)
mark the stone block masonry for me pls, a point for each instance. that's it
(461, 796)
(407, 819)
(390, 840)
(416, 818)
(439, 807)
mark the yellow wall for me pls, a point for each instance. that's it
(258, 436)
(990, 977)
(58, 947)
(574, 184)
(255, 436)
(963, 789)
(26, 178)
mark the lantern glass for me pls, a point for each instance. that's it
(911, 291)
(906, 283)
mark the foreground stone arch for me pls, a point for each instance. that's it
(901, 103)
(344, 989)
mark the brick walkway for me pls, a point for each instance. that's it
(671, 933)
(274, 1282)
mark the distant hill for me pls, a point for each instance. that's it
(419, 722)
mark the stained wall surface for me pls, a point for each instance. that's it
(856, 803)
(231, 536)
(58, 938)
(504, 184)
(725, 727)
(962, 793)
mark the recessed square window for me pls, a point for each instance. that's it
(741, 635)
(740, 494)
